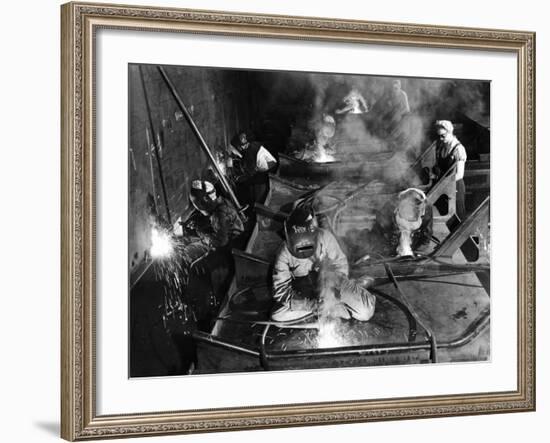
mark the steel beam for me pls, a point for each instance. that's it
(468, 228)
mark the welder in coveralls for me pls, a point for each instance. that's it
(207, 239)
(311, 273)
(221, 221)
(406, 223)
(214, 226)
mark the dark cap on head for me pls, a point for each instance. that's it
(236, 139)
(301, 216)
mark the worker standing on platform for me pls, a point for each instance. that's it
(450, 152)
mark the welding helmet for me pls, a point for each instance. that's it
(301, 232)
(411, 207)
(203, 196)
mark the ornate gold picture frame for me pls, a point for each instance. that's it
(80, 23)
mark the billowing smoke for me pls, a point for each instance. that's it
(378, 144)
(376, 129)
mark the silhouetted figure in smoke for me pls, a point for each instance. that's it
(352, 135)
(311, 272)
(390, 109)
(354, 103)
(251, 165)
(450, 152)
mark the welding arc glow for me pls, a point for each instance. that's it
(161, 244)
(328, 335)
(322, 156)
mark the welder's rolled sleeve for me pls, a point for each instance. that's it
(264, 160)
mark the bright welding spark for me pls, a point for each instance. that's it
(322, 156)
(328, 336)
(161, 244)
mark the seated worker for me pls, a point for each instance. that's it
(310, 269)
(405, 224)
(251, 164)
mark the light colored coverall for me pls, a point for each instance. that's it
(353, 301)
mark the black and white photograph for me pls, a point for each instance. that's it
(275, 221)
(283, 220)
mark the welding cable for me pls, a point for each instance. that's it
(293, 324)
(419, 257)
(361, 260)
(336, 215)
(343, 204)
(350, 195)
(400, 305)
(244, 208)
(465, 285)
(472, 268)
(232, 297)
(249, 288)
(336, 205)
(378, 281)
(430, 335)
(198, 259)
(280, 324)
(263, 354)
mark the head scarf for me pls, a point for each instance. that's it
(445, 124)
